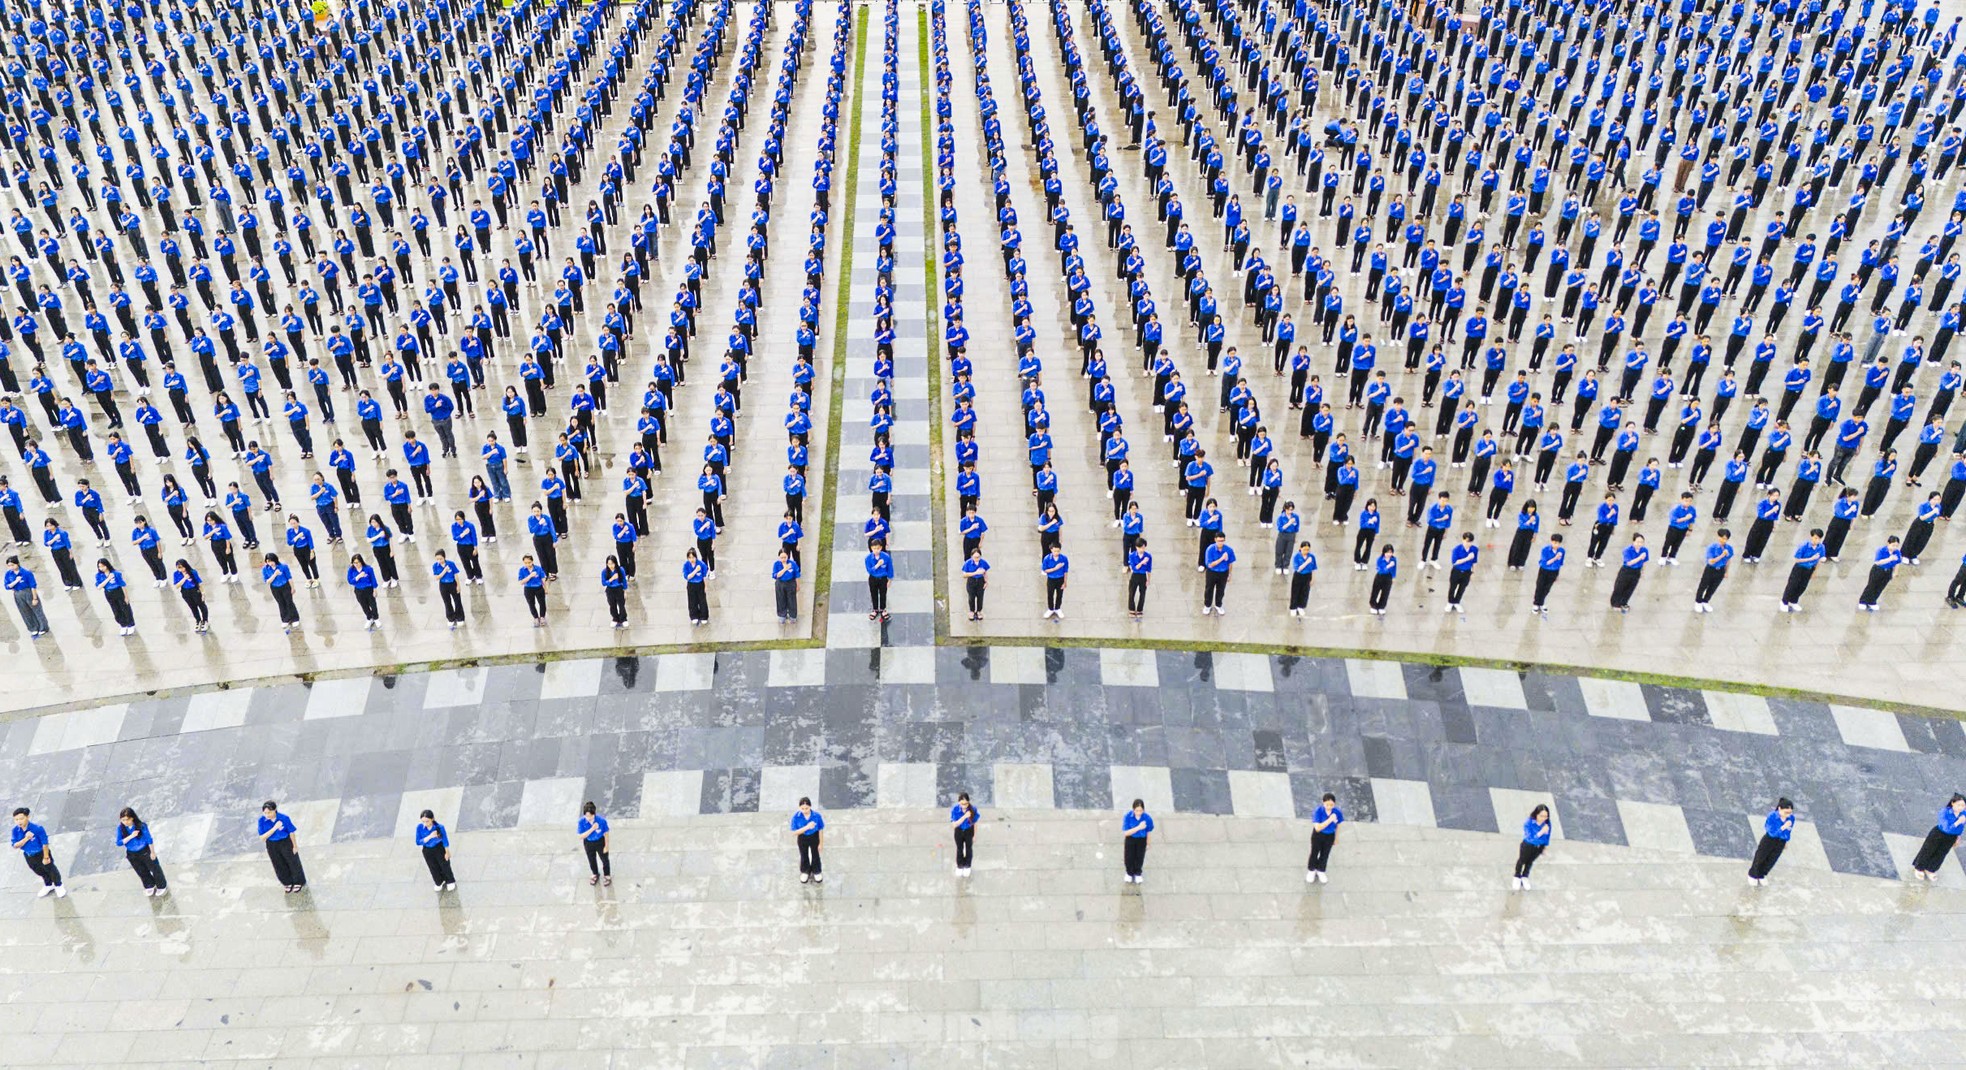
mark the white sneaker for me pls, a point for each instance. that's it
(61, 892)
(805, 878)
(1525, 884)
(1310, 876)
(46, 891)
(449, 886)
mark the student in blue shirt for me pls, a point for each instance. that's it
(133, 836)
(593, 829)
(694, 573)
(880, 572)
(1384, 570)
(976, 577)
(1136, 827)
(1939, 842)
(436, 845)
(1629, 571)
(1324, 835)
(1460, 570)
(1882, 568)
(279, 832)
(614, 587)
(1535, 839)
(1055, 566)
(31, 840)
(1807, 557)
(1718, 555)
(785, 585)
(807, 826)
(1776, 829)
(962, 819)
(1218, 560)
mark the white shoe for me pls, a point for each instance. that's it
(1525, 884)
(61, 892)
(805, 878)
(46, 891)
(449, 886)
(1310, 876)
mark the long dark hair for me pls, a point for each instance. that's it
(135, 821)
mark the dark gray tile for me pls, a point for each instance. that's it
(1201, 791)
(1720, 833)
(1354, 794)
(1676, 705)
(490, 806)
(1082, 787)
(1591, 819)
(846, 786)
(1268, 748)
(367, 817)
(1379, 757)
(1464, 807)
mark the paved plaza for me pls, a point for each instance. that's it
(1896, 655)
(706, 952)
(933, 183)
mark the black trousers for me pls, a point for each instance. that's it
(965, 847)
(1054, 593)
(49, 873)
(1880, 578)
(1136, 854)
(809, 854)
(286, 863)
(453, 602)
(1623, 586)
(1136, 592)
(699, 601)
(1710, 578)
(975, 586)
(1300, 590)
(440, 867)
(617, 604)
(1213, 586)
(536, 601)
(877, 593)
(597, 858)
(149, 870)
(786, 594)
(1321, 844)
(1382, 591)
(1932, 854)
(1766, 854)
(1799, 578)
(1526, 857)
(1457, 585)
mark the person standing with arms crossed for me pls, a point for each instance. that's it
(279, 830)
(1324, 835)
(1776, 829)
(133, 836)
(1535, 840)
(807, 825)
(1137, 827)
(593, 829)
(31, 840)
(436, 844)
(962, 818)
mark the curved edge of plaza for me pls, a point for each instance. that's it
(1906, 684)
(704, 946)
